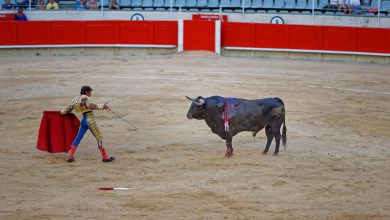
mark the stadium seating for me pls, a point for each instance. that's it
(180, 3)
(158, 4)
(309, 5)
(301, 5)
(385, 6)
(257, 4)
(190, 3)
(235, 4)
(147, 4)
(322, 4)
(374, 4)
(106, 3)
(224, 3)
(201, 3)
(250, 6)
(168, 3)
(268, 4)
(213, 4)
(136, 4)
(290, 4)
(279, 4)
(125, 4)
(247, 3)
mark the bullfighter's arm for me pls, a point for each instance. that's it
(94, 106)
(68, 109)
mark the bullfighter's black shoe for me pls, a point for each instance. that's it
(108, 160)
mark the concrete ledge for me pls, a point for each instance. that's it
(308, 55)
(87, 51)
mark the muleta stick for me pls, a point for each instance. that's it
(126, 121)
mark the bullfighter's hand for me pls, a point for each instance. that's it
(107, 107)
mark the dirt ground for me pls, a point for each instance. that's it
(336, 165)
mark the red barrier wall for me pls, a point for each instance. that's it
(306, 37)
(271, 36)
(88, 32)
(198, 35)
(238, 34)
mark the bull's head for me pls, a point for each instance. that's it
(197, 109)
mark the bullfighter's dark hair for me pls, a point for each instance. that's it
(85, 89)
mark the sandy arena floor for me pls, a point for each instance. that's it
(336, 166)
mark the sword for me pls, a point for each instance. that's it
(120, 117)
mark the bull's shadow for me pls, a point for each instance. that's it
(228, 116)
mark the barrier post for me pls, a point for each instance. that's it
(180, 35)
(218, 36)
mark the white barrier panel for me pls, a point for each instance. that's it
(218, 36)
(181, 34)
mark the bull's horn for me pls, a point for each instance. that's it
(200, 102)
(190, 99)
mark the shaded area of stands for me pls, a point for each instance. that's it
(239, 6)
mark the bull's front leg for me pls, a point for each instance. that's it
(229, 148)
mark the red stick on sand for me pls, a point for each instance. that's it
(109, 188)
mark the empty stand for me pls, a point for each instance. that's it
(279, 4)
(235, 3)
(290, 4)
(225, 3)
(257, 4)
(301, 5)
(268, 4)
(213, 4)
(191, 3)
(168, 3)
(125, 4)
(147, 4)
(136, 4)
(309, 5)
(385, 6)
(247, 3)
(158, 3)
(201, 3)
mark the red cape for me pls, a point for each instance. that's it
(57, 132)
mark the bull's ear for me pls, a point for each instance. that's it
(201, 101)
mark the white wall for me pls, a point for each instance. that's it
(354, 21)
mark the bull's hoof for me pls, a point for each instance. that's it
(275, 154)
(228, 155)
(264, 153)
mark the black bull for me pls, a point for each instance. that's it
(243, 115)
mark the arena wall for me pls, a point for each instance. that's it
(120, 37)
(307, 19)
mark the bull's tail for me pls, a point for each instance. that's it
(284, 133)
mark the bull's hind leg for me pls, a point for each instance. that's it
(276, 134)
(229, 147)
(268, 133)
